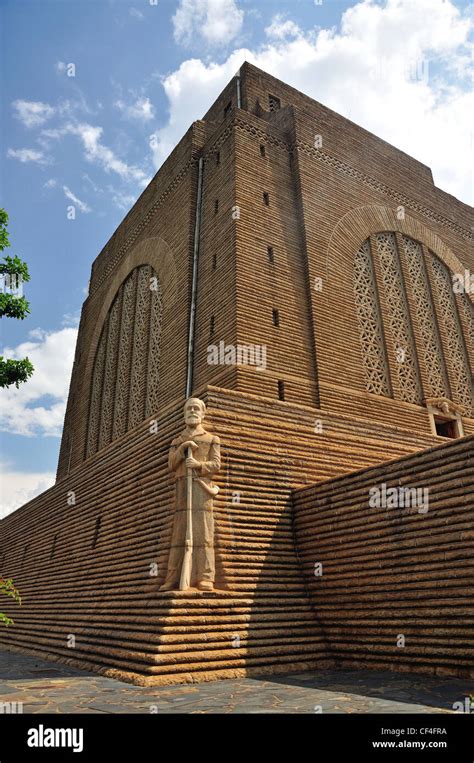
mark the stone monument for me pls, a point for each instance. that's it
(338, 272)
(194, 457)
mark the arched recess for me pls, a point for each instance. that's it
(353, 231)
(125, 375)
(131, 315)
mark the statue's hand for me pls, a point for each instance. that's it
(191, 463)
(183, 448)
(189, 444)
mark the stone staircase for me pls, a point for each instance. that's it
(90, 573)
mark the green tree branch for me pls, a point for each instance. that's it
(8, 589)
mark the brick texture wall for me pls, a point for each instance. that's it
(396, 586)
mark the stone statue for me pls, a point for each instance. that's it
(193, 458)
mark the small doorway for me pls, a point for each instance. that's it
(446, 427)
(445, 418)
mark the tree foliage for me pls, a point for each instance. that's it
(14, 266)
(12, 306)
(14, 371)
(8, 589)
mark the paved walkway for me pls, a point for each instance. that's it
(48, 687)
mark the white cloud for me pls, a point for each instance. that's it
(216, 22)
(142, 109)
(71, 319)
(32, 113)
(96, 152)
(92, 184)
(191, 89)
(37, 407)
(82, 206)
(281, 28)
(17, 488)
(121, 199)
(68, 108)
(365, 72)
(26, 155)
(136, 14)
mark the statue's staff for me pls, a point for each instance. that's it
(185, 581)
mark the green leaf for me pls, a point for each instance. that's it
(13, 307)
(14, 372)
(16, 266)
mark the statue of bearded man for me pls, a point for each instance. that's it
(203, 463)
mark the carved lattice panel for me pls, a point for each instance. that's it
(141, 331)
(96, 394)
(156, 312)
(370, 329)
(455, 348)
(124, 363)
(110, 372)
(126, 368)
(399, 318)
(431, 349)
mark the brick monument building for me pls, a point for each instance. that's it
(310, 283)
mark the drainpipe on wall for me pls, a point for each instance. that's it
(192, 313)
(239, 95)
(69, 458)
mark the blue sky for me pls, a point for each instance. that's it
(143, 71)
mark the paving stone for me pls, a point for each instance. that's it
(335, 691)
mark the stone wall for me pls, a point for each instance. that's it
(90, 554)
(396, 588)
(322, 204)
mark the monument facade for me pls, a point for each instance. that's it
(299, 280)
